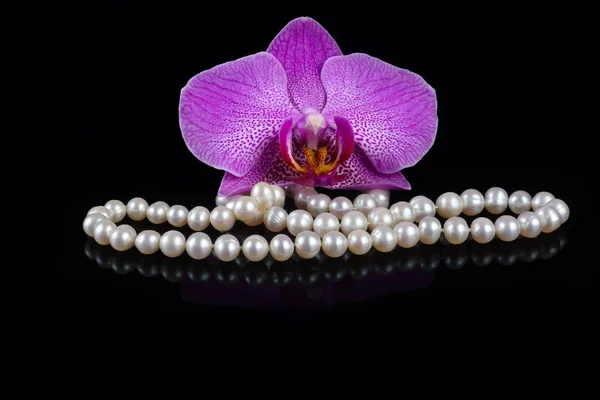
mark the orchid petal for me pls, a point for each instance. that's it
(302, 47)
(393, 111)
(230, 113)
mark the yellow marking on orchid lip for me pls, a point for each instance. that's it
(315, 160)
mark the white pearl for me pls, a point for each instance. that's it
(359, 242)
(221, 200)
(177, 216)
(230, 203)
(257, 220)
(365, 203)
(275, 219)
(430, 230)
(279, 196)
(473, 202)
(227, 247)
(308, 244)
(147, 242)
(302, 195)
(318, 204)
(281, 247)
(402, 211)
(157, 212)
(483, 230)
(540, 200)
(255, 248)
(334, 244)
(198, 218)
(122, 238)
(530, 224)
(380, 216)
(449, 205)
(172, 244)
(264, 195)
(245, 209)
(222, 218)
(407, 234)
(382, 197)
(118, 209)
(354, 220)
(340, 206)
(423, 207)
(496, 200)
(384, 238)
(102, 231)
(299, 221)
(551, 219)
(456, 230)
(100, 210)
(136, 209)
(324, 223)
(519, 202)
(90, 221)
(562, 209)
(507, 228)
(198, 245)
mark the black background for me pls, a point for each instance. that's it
(505, 120)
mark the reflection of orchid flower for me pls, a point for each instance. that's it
(302, 112)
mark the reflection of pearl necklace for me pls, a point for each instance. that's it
(390, 227)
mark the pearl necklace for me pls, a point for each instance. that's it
(319, 227)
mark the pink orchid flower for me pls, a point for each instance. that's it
(303, 113)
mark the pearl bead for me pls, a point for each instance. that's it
(136, 208)
(281, 247)
(230, 203)
(562, 209)
(340, 206)
(198, 245)
(456, 230)
(334, 244)
(530, 224)
(222, 218)
(519, 202)
(255, 248)
(496, 200)
(473, 202)
(550, 217)
(365, 203)
(384, 238)
(540, 200)
(227, 247)
(380, 216)
(263, 194)
(157, 212)
(100, 210)
(324, 223)
(299, 221)
(172, 244)
(318, 204)
(430, 230)
(221, 200)
(423, 207)
(449, 205)
(198, 218)
(90, 221)
(122, 238)
(102, 231)
(507, 228)
(483, 230)
(308, 244)
(301, 197)
(245, 208)
(275, 219)
(177, 216)
(407, 234)
(147, 242)
(354, 220)
(257, 220)
(382, 197)
(402, 211)
(359, 242)
(279, 196)
(118, 210)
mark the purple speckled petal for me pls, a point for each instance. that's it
(230, 113)
(302, 47)
(393, 111)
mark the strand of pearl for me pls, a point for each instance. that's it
(319, 228)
